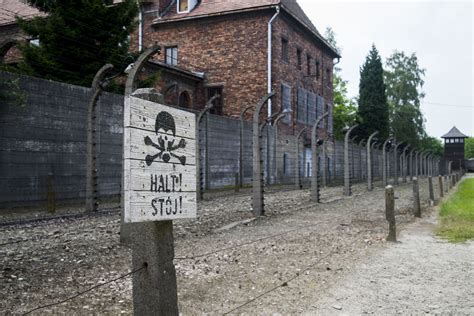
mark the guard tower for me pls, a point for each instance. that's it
(454, 148)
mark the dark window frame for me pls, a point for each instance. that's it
(309, 61)
(285, 51)
(170, 59)
(299, 58)
(288, 117)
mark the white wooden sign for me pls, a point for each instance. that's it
(159, 162)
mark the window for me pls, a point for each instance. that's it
(218, 103)
(284, 49)
(318, 70)
(286, 167)
(328, 77)
(183, 6)
(35, 42)
(302, 110)
(298, 58)
(309, 61)
(311, 109)
(286, 102)
(184, 100)
(171, 55)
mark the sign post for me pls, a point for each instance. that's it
(159, 186)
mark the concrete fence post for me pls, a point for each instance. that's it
(257, 187)
(324, 159)
(130, 85)
(299, 184)
(369, 161)
(405, 166)
(431, 189)
(395, 158)
(91, 175)
(199, 169)
(275, 160)
(241, 143)
(361, 162)
(314, 160)
(417, 164)
(411, 165)
(416, 198)
(390, 213)
(385, 162)
(347, 171)
(440, 183)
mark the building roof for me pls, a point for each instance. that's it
(454, 133)
(207, 8)
(11, 8)
(193, 75)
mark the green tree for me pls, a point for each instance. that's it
(373, 110)
(469, 148)
(76, 38)
(344, 110)
(433, 144)
(404, 80)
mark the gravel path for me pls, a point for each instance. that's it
(421, 274)
(281, 263)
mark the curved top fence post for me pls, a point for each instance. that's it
(137, 66)
(347, 175)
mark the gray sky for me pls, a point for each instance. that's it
(439, 32)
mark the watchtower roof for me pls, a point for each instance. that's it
(454, 133)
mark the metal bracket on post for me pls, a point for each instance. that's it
(199, 173)
(257, 187)
(347, 172)
(369, 162)
(315, 196)
(91, 176)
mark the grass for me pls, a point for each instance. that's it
(457, 214)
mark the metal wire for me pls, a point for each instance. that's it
(86, 291)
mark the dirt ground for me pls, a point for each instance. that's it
(283, 263)
(419, 275)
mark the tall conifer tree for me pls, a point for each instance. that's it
(373, 109)
(76, 38)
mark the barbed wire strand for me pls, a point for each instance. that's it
(88, 290)
(285, 283)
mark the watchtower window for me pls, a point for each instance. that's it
(183, 6)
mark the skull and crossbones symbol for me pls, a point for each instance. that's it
(165, 146)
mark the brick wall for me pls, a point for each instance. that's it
(289, 72)
(231, 51)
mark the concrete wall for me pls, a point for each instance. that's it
(43, 148)
(47, 137)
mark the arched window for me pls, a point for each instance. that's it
(184, 100)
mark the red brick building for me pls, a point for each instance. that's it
(10, 32)
(222, 47)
